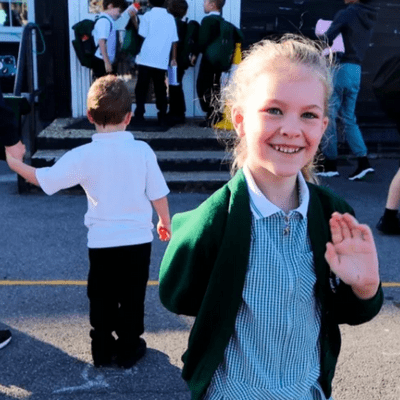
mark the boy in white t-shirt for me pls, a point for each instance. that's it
(105, 37)
(121, 179)
(158, 29)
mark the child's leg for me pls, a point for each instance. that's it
(134, 262)
(160, 91)
(204, 85)
(177, 105)
(141, 89)
(98, 68)
(102, 294)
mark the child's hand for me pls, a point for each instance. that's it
(193, 60)
(352, 255)
(164, 232)
(12, 161)
(17, 151)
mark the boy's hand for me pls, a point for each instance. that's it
(108, 67)
(17, 151)
(193, 60)
(12, 161)
(352, 255)
(173, 63)
(164, 232)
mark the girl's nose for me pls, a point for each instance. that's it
(291, 126)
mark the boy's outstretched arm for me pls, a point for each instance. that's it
(26, 171)
(164, 220)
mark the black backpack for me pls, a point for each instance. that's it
(188, 43)
(132, 41)
(386, 86)
(84, 45)
(220, 52)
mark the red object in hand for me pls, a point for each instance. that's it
(137, 6)
(164, 235)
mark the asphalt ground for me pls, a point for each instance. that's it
(43, 270)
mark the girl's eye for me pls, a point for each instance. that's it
(274, 111)
(309, 115)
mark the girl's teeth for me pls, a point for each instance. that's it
(286, 149)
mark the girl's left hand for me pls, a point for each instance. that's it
(352, 255)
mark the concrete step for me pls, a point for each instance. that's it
(183, 137)
(178, 161)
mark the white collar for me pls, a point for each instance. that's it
(262, 207)
(214, 13)
(120, 135)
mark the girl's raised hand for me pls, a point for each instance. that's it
(352, 255)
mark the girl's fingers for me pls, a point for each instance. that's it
(331, 257)
(336, 231)
(344, 226)
(358, 230)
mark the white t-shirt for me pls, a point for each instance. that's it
(120, 176)
(105, 29)
(158, 27)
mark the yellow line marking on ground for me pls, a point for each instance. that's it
(391, 284)
(55, 283)
(84, 283)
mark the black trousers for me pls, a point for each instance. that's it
(116, 289)
(208, 86)
(177, 106)
(98, 68)
(145, 74)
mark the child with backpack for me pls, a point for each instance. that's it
(158, 50)
(188, 37)
(105, 37)
(210, 45)
(271, 263)
(122, 182)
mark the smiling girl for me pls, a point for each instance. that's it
(270, 264)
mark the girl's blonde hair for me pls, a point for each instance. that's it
(297, 49)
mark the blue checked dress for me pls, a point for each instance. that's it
(274, 353)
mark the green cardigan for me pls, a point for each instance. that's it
(203, 271)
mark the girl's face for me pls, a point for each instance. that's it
(282, 121)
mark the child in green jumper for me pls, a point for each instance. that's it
(271, 263)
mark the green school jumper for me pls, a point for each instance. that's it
(203, 272)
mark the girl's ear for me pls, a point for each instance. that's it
(237, 120)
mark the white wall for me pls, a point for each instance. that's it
(80, 76)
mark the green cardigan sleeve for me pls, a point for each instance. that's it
(190, 255)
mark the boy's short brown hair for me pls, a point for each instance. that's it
(178, 8)
(108, 101)
(122, 4)
(219, 3)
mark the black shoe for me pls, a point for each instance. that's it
(207, 123)
(104, 349)
(363, 169)
(389, 227)
(5, 337)
(127, 359)
(173, 120)
(327, 168)
(138, 119)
